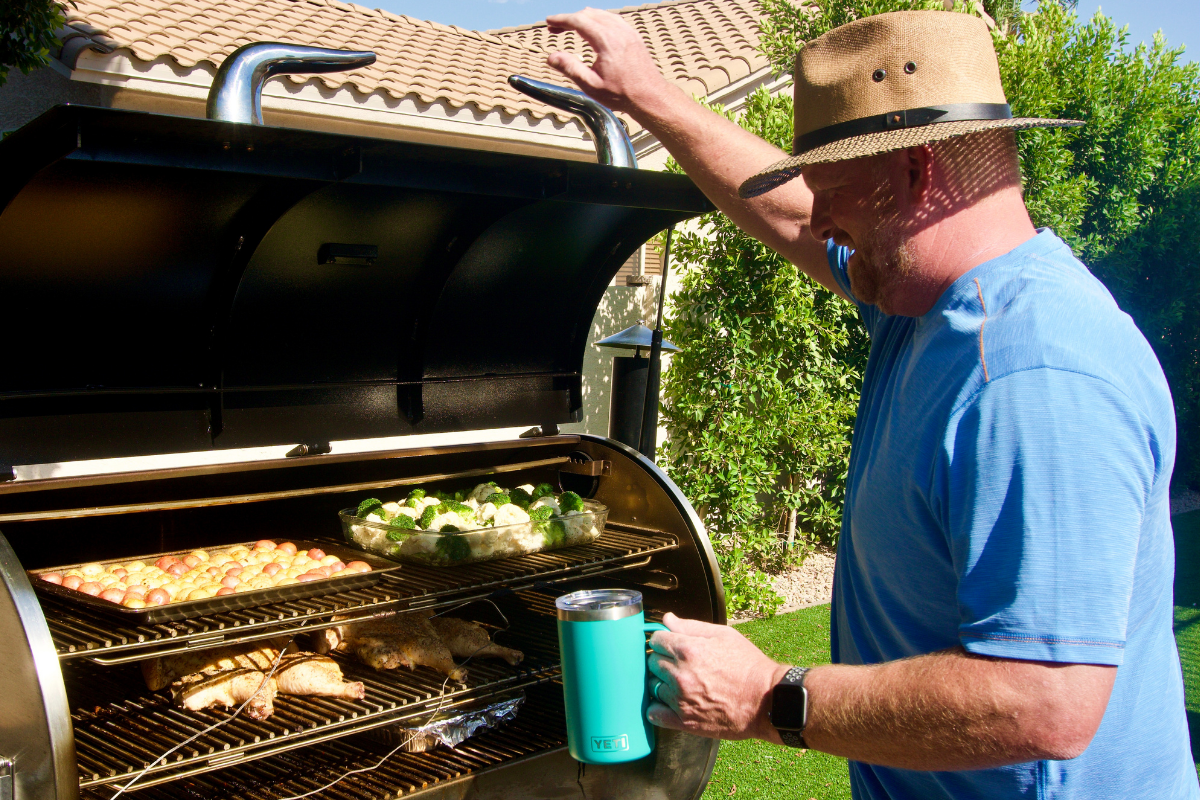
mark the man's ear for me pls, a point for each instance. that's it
(918, 175)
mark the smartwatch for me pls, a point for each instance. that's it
(789, 707)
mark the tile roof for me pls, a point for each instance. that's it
(702, 44)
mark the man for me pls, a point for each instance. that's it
(1002, 613)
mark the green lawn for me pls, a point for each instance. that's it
(757, 769)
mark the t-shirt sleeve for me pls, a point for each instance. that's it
(838, 257)
(1046, 478)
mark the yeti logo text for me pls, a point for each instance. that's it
(610, 744)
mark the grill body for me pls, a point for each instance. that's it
(186, 286)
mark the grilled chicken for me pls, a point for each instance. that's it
(401, 640)
(466, 639)
(161, 672)
(313, 675)
(227, 688)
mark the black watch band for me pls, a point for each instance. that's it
(789, 707)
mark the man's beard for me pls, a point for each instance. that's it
(881, 264)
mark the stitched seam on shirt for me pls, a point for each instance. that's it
(982, 305)
(1041, 639)
(975, 394)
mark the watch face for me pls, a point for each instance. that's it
(787, 706)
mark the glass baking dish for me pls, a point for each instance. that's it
(444, 549)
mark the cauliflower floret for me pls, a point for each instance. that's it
(546, 501)
(483, 491)
(509, 514)
(527, 488)
(408, 512)
(376, 518)
(426, 501)
(392, 509)
(487, 511)
(472, 502)
(451, 518)
(579, 527)
(418, 545)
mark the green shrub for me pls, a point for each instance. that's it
(27, 34)
(760, 402)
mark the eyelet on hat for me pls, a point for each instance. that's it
(879, 75)
(910, 67)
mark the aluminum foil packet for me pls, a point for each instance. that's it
(451, 727)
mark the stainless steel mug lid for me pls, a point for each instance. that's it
(599, 604)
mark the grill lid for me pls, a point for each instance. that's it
(171, 284)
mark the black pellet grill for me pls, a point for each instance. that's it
(170, 285)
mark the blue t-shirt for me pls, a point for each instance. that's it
(1008, 492)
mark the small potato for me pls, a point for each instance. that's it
(74, 572)
(287, 547)
(220, 559)
(324, 572)
(91, 587)
(224, 590)
(288, 581)
(157, 597)
(52, 577)
(112, 595)
(306, 577)
(134, 602)
(201, 594)
(120, 572)
(72, 582)
(359, 566)
(327, 560)
(235, 570)
(239, 550)
(292, 572)
(134, 566)
(192, 560)
(214, 571)
(264, 544)
(230, 582)
(270, 568)
(316, 554)
(165, 562)
(137, 590)
(200, 554)
(89, 570)
(176, 569)
(337, 566)
(106, 581)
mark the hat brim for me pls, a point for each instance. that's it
(870, 144)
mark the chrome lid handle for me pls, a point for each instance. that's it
(236, 93)
(612, 142)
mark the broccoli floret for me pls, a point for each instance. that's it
(452, 549)
(445, 497)
(554, 534)
(498, 499)
(462, 509)
(369, 506)
(541, 514)
(450, 529)
(542, 490)
(569, 501)
(520, 498)
(399, 526)
(460, 495)
(415, 497)
(428, 514)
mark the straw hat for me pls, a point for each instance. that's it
(893, 81)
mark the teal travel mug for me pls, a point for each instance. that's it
(602, 642)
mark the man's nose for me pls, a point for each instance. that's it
(820, 223)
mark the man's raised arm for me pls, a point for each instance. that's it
(716, 154)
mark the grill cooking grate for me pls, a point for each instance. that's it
(116, 740)
(538, 728)
(79, 633)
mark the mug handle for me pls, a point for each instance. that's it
(651, 627)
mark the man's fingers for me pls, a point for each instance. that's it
(693, 627)
(570, 65)
(662, 667)
(663, 717)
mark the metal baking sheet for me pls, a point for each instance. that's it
(188, 609)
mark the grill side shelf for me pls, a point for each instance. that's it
(117, 739)
(80, 634)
